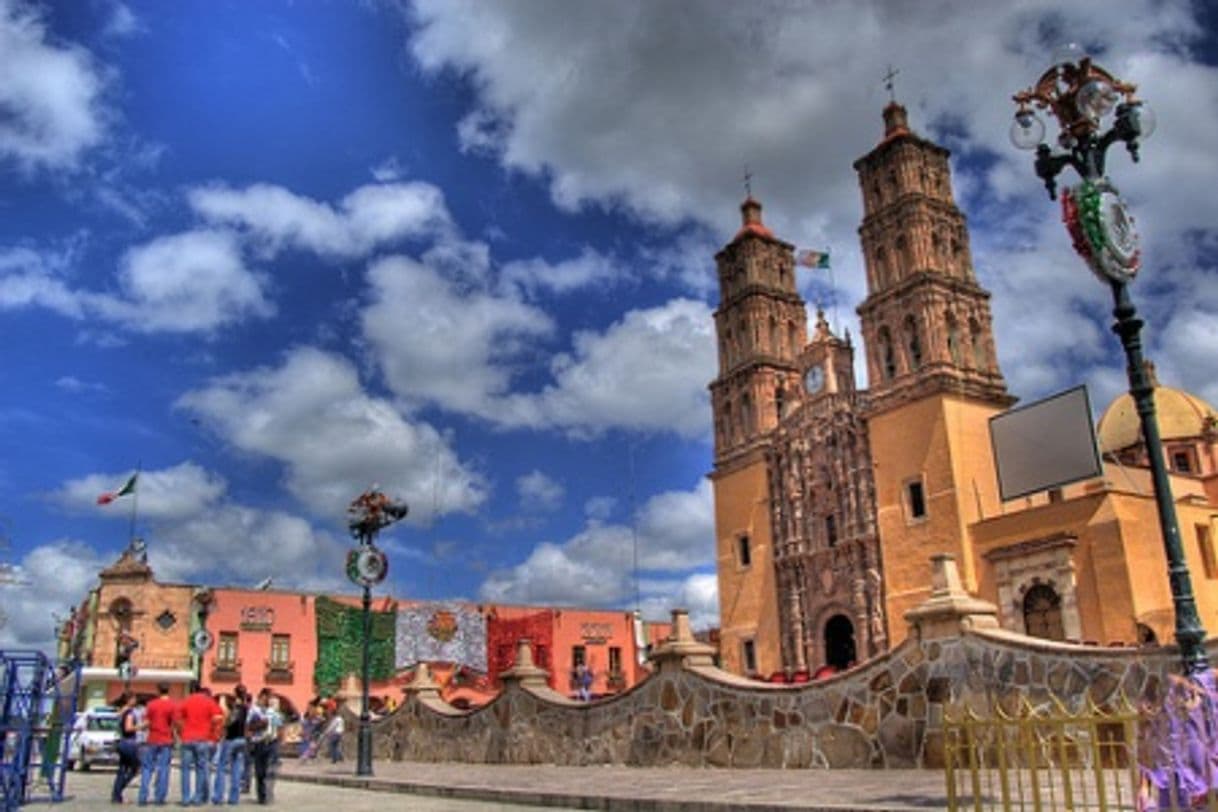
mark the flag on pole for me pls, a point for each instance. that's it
(813, 259)
(128, 488)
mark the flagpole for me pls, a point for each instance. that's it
(135, 502)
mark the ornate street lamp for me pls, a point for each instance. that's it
(1082, 96)
(367, 515)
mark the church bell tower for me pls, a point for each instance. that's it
(761, 325)
(933, 373)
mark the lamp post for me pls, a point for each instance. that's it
(1082, 96)
(367, 515)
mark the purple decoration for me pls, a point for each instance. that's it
(1178, 744)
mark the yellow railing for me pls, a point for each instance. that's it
(1042, 759)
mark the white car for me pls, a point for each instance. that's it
(94, 739)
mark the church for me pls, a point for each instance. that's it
(831, 499)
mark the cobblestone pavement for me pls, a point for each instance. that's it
(90, 792)
(638, 789)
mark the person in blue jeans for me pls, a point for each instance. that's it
(158, 746)
(197, 718)
(231, 763)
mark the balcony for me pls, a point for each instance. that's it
(279, 672)
(226, 671)
(616, 680)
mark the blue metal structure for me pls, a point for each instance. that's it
(37, 706)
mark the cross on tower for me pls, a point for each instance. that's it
(888, 77)
(748, 182)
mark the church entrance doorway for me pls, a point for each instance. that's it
(839, 642)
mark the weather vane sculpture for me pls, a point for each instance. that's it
(367, 515)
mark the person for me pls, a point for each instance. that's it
(158, 745)
(128, 746)
(231, 763)
(333, 736)
(194, 721)
(262, 729)
(583, 678)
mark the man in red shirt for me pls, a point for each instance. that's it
(194, 721)
(159, 745)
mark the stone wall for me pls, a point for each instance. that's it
(886, 713)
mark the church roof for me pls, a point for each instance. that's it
(750, 215)
(1180, 414)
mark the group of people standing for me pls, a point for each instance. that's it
(214, 742)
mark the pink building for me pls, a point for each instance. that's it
(262, 638)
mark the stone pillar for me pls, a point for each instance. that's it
(950, 609)
(681, 650)
(423, 685)
(525, 672)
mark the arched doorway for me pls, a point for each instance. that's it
(1042, 613)
(839, 642)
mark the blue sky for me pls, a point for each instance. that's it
(275, 252)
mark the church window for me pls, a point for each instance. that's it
(953, 340)
(792, 339)
(728, 428)
(774, 348)
(1182, 461)
(881, 267)
(779, 402)
(746, 415)
(748, 651)
(916, 499)
(831, 530)
(904, 255)
(888, 362)
(744, 550)
(978, 344)
(1146, 635)
(165, 620)
(1206, 545)
(913, 342)
(1042, 613)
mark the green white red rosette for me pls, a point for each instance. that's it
(367, 565)
(1102, 230)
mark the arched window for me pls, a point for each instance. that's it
(1042, 613)
(881, 267)
(746, 415)
(953, 340)
(792, 338)
(888, 361)
(774, 348)
(913, 343)
(779, 402)
(904, 255)
(978, 344)
(122, 613)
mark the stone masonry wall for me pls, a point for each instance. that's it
(886, 713)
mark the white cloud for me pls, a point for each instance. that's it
(70, 383)
(189, 282)
(539, 492)
(311, 415)
(56, 577)
(595, 567)
(50, 99)
(537, 275)
(440, 342)
(195, 281)
(181, 491)
(646, 372)
(368, 218)
(599, 508)
(656, 111)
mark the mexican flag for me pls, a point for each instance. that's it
(813, 259)
(128, 487)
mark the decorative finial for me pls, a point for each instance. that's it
(748, 182)
(888, 77)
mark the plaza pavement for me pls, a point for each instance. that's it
(90, 792)
(638, 789)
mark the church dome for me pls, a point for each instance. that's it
(1180, 415)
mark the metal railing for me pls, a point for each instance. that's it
(1155, 755)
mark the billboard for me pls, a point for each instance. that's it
(1045, 444)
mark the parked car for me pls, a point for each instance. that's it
(94, 739)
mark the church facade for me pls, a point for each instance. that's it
(831, 499)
